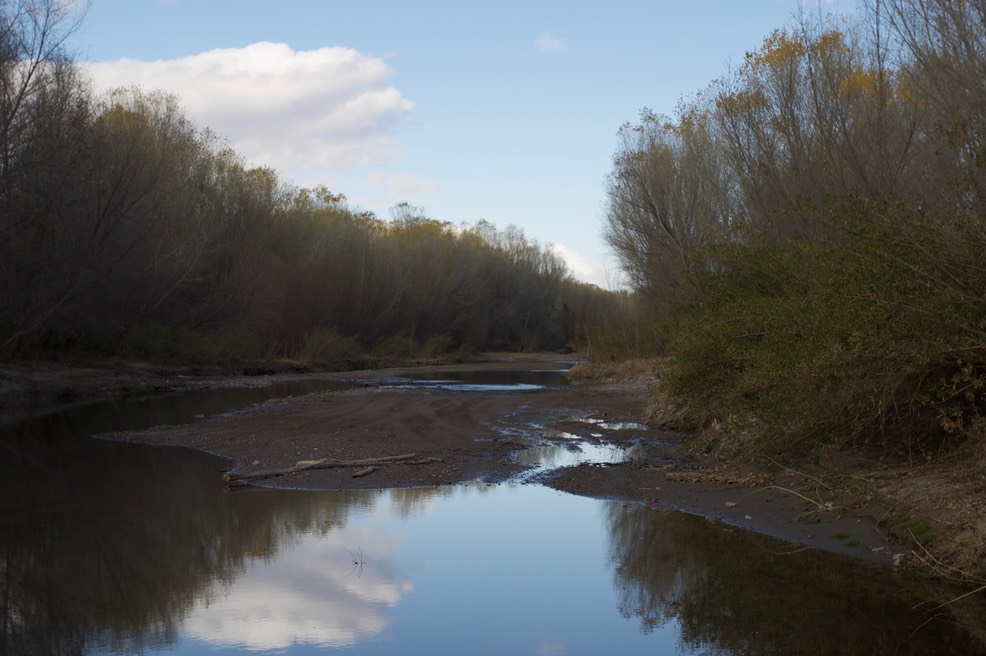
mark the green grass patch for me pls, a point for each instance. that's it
(919, 530)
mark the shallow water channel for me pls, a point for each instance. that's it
(121, 548)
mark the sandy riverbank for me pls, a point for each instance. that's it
(474, 435)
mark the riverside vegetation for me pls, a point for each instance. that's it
(804, 238)
(128, 231)
(802, 242)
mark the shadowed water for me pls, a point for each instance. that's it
(488, 381)
(119, 548)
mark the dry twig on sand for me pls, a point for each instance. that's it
(367, 465)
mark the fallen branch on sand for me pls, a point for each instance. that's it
(367, 465)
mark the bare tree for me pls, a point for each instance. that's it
(669, 193)
(943, 58)
(32, 49)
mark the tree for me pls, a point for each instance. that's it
(942, 59)
(668, 195)
(44, 111)
(32, 56)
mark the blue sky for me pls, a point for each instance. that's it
(505, 111)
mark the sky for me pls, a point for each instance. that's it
(503, 111)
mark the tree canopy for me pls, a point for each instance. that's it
(127, 230)
(807, 230)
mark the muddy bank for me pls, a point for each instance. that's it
(28, 387)
(467, 435)
(462, 436)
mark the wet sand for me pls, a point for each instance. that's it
(474, 435)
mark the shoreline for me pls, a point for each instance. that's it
(469, 435)
(370, 421)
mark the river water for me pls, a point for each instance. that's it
(112, 548)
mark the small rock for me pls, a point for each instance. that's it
(255, 463)
(748, 517)
(730, 504)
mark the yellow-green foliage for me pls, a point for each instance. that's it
(400, 345)
(195, 243)
(326, 346)
(437, 345)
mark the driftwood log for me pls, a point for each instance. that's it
(367, 466)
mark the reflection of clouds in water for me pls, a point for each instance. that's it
(310, 594)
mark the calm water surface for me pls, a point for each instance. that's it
(119, 548)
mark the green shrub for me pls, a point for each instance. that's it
(168, 343)
(400, 345)
(321, 345)
(628, 340)
(874, 331)
(465, 351)
(437, 345)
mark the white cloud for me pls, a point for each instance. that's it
(403, 186)
(579, 266)
(550, 43)
(328, 109)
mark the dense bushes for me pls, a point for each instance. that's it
(809, 230)
(875, 333)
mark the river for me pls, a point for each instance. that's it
(118, 548)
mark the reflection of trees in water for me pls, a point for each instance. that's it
(112, 544)
(409, 501)
(733, 591)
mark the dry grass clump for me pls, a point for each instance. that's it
(947, 495)
(933, 505)
(624, 371)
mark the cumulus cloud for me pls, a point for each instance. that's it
(402, 186)
(328, 109)
(550, 43)
(580, 267)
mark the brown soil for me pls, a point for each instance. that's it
(476, 435)
(471, 435)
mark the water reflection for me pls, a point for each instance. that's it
(109, 548)
(313, 593)
(549, 457)
(121, 543)
(747, 594)
(155, 556)
(489, 380)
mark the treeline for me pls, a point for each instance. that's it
(126, 230)
(805, 236)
